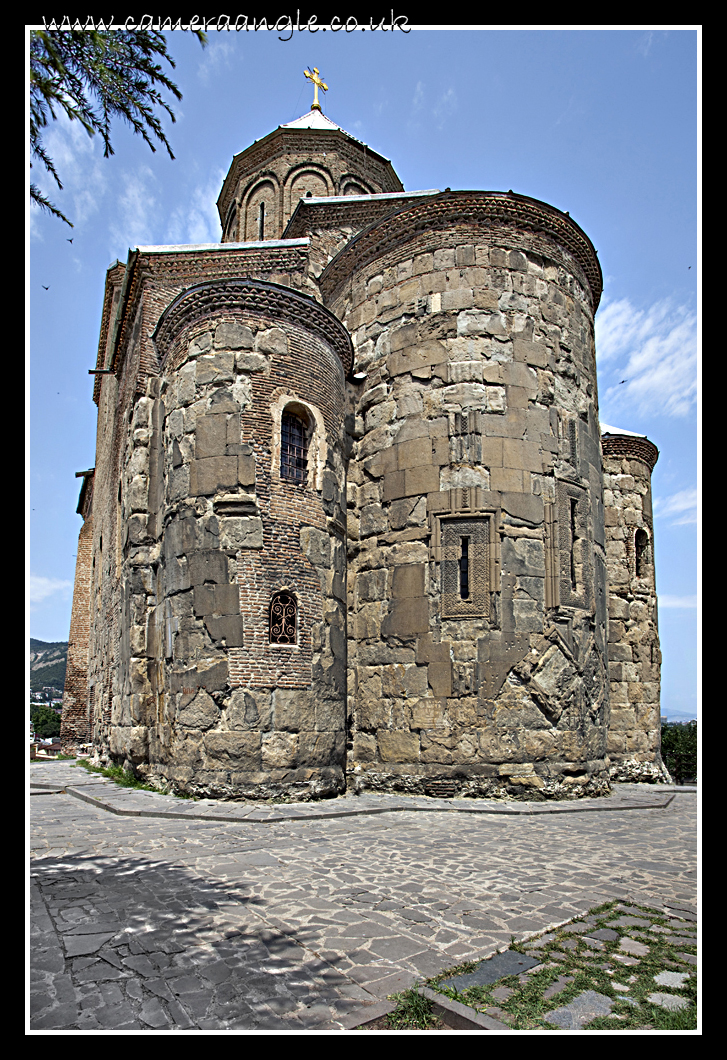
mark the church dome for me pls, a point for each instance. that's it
(308, 157)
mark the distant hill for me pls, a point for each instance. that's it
(679, 716)
(47, 664)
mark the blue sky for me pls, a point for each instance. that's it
(603, 123)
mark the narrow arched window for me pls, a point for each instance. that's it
(231, 222)
(293, 448)
(283, 618)
(261, 222)
(641, 548)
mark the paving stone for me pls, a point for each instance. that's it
(631, 921)
(557, 987)
(632, 946)
(502, 993)
(185, 900)
(673, 979)
(671, 1002)
(497, 967)
(581, 1010)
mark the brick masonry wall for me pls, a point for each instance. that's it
(75, 724)
(290, 164)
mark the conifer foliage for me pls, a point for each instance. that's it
(94, 77)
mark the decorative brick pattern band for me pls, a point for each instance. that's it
(628, 446)
(276, 303)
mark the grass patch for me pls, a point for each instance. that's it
(412, 1012)
(124, 777)
(574, 965)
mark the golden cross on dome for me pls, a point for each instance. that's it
(317, 83)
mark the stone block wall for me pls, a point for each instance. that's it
(475, 431)
(209, 705)
(634, 738)
(440, 556)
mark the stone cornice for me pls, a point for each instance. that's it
(470, 209)
(354, 211)
(272, 301)
(631, 447)
(114, 278)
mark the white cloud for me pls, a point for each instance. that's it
(220, 54)
(644, 43)
(197, 221)
(136, 216)
(40, 588)
(654, 350)
(78, 162)
(445, 107)
(682, 504)
(678, 601)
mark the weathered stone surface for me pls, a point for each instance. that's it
(237, 750)
(293, 710)
(243, 532)
(200, 713)
(233, 336)
(249, 709)
(212, 473)
(398, 746)
(228, 629)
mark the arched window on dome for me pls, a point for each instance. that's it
(293, 447)
(231, 223)
(283, 618)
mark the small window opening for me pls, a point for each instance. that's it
(641, 547)
(573, 538)
(261, 222)
(464, 569)
(293, 448)
(283, 618)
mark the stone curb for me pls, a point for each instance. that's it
(457, 1016)
(366, 1015)
(255, 814)
(453, 1014)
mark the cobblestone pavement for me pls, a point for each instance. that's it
(149, 912)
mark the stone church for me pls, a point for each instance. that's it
(353, 524)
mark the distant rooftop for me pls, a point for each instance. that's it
(315, 119)
(605, 429)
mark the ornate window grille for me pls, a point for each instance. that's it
(293, 448)
(283, 618)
